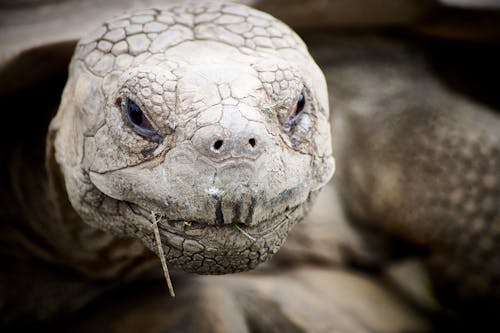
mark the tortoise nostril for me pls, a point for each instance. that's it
(252, 142)
(218, 144)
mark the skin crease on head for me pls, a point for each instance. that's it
(210, 118)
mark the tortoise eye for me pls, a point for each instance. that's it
(301, 102)
(138, 121)
(296, 115)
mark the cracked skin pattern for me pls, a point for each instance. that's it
(219, 84)
(427, 171)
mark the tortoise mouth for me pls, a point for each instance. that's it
(186, 227)
(190, 228)
(203, 248)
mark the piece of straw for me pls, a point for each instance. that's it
(161, 254)
(246, 234)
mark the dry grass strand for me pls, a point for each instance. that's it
(161, 254)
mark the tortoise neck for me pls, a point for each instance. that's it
(38, 221)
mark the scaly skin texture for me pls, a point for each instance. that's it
(220, 85)
(422, 163)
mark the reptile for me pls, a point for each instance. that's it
(211, 118)
(210, 121)
(198, 132)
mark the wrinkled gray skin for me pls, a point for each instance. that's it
(219, 85)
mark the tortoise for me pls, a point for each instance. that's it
(134, 146)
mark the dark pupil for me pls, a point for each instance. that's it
(300, 103)
(134, 113)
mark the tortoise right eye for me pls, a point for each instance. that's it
(138, 120)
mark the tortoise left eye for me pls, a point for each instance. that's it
(301, 102)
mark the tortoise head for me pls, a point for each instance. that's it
(217, 131)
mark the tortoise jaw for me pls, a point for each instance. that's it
(191, 228)
(202, 248)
